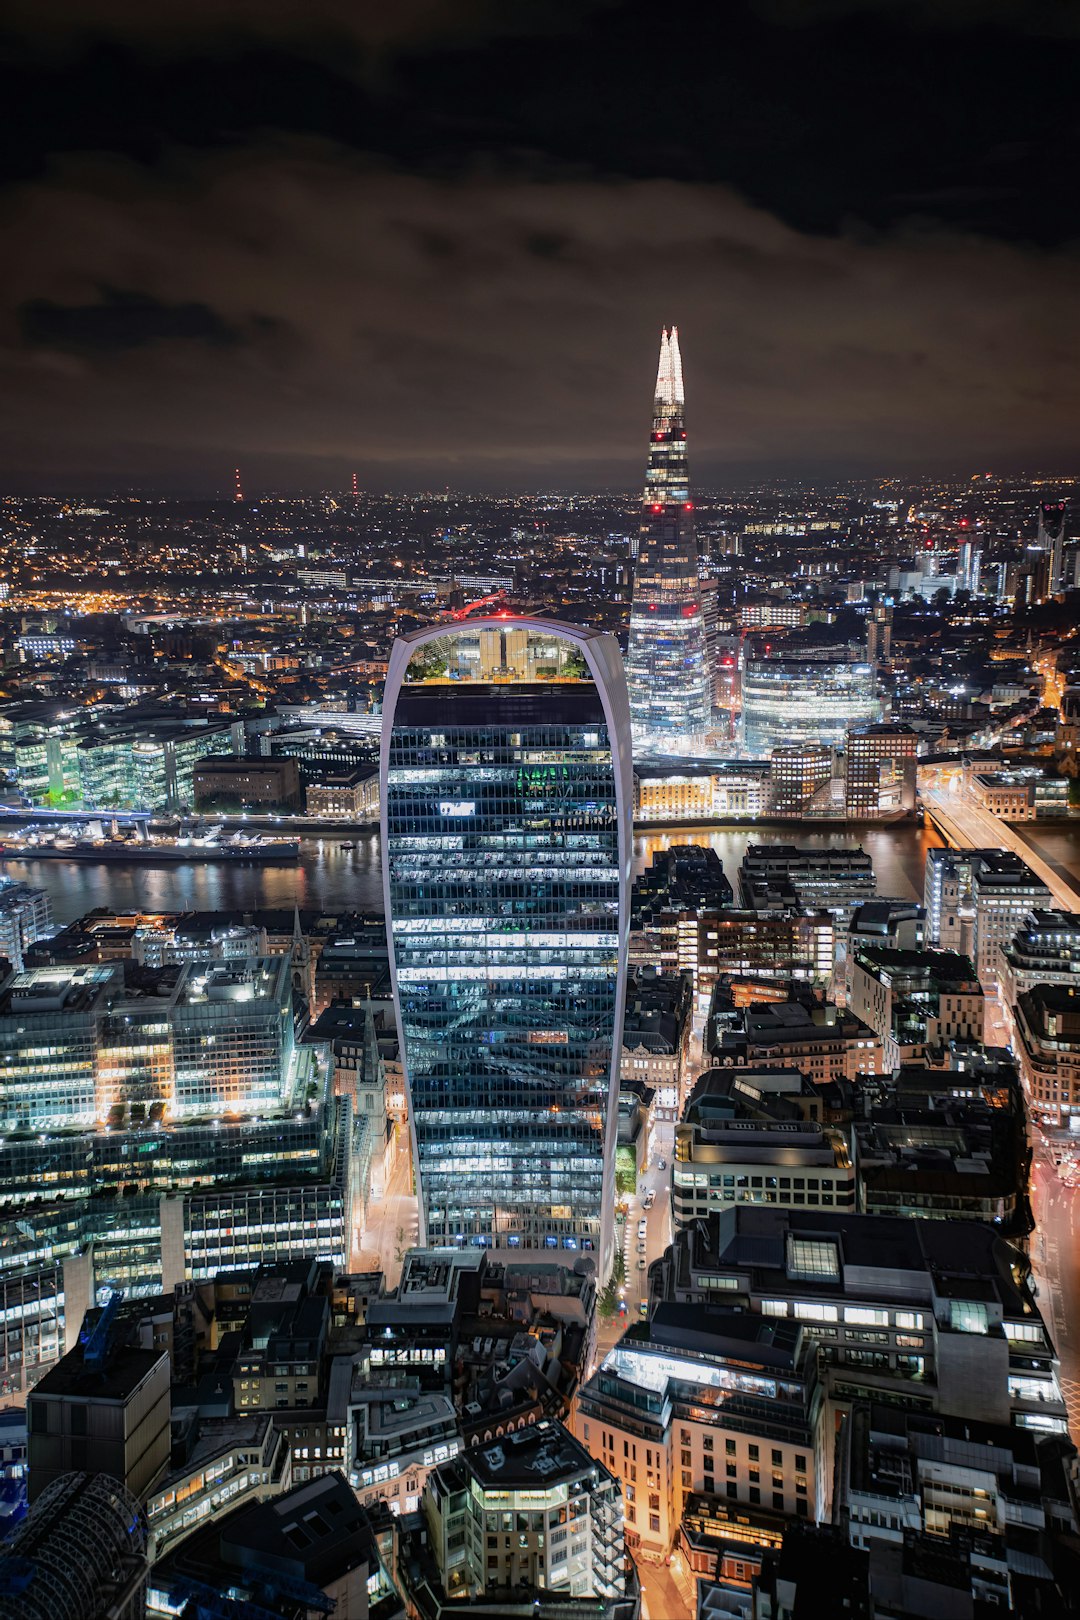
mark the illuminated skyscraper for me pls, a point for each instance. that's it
(1051, 540)
(666, 671)
(506, 794)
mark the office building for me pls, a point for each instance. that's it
(311, 1549)
(1003, 890)
(823, 1041)
(567, 1514)
(916, 1002)
(666, 673)
(796, 774)
(947, 1144)
(736, 789)
(145, 1207)
(232, 782)
(79, 1554)
(707, 1399)
(25, 917)
(85, 1045)
(345, 795)
(934, 1314)
(879, 764)
(104, 1406)
(781, 877)
(790, 698)
(756, 1136)
(1044, 950)
(148, 765)
(710, 945)
(1046, 1020)
(912, 1473)
(506, 841)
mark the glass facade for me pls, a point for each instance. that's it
(666, 671)
(506, 803)
(800, 701)
(80, 1045)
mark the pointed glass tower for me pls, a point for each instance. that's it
(666, 666)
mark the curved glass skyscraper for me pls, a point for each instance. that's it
(506, 835)
(666, 666)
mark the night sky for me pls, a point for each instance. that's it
(435, 242)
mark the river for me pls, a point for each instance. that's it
(331, 878)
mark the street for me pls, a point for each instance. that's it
(393, 1223)
(1055, 1255)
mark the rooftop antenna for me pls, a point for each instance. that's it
(355, 486)
(239, 495)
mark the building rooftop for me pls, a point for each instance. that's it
(543, 1454)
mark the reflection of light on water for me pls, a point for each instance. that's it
(340, 879)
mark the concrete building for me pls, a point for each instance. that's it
(109, 1413)
(232, 782)
(707, 1400)
(756, 1136)
(345, 795)
(567, 1517)
(916, 1002)
(929, 1313)
(1047, 1023)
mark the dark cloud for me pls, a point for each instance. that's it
(437, 241)
(119, 320)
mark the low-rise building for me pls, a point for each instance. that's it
(224, 1463)
(825, 1042)
(309, 1547)
(345, 795)
(944, 1143)
(234, 782)
(656, 1033)
(781, 877)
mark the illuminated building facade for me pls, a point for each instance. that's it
(80, 1045)
(796, 774)
(880, 765)
(797, 700)
(666, 670)
(506, 795)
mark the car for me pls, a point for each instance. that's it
(662, 1165)
(641, 1248)
(642, 1264)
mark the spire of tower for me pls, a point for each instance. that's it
(669, 378)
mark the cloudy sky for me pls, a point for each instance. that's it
(434, 240)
